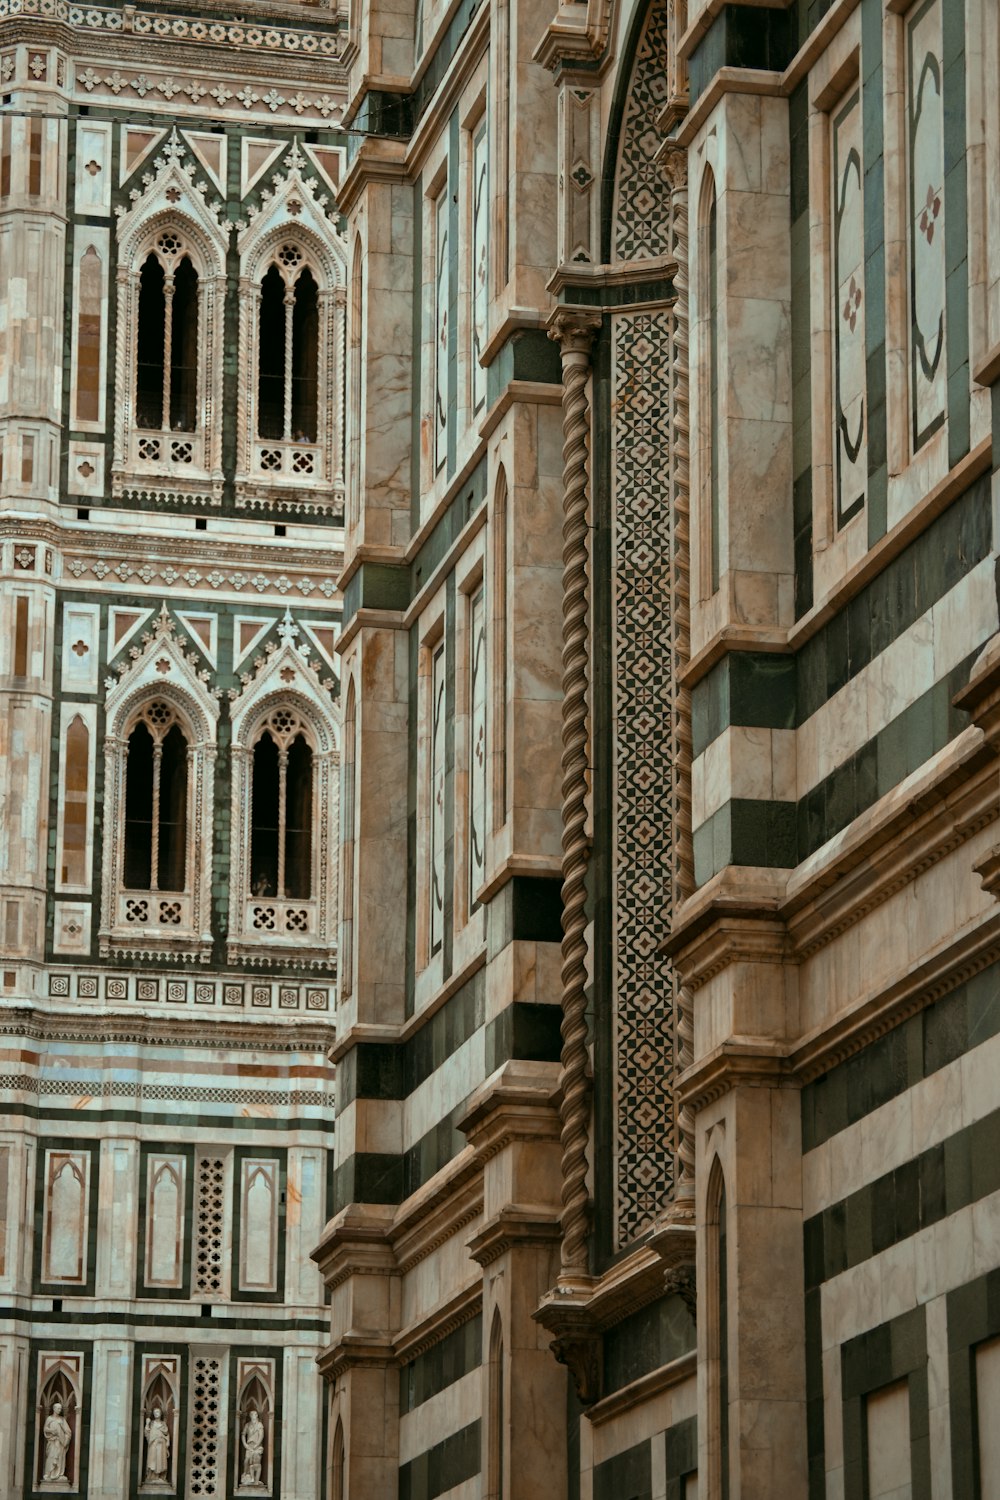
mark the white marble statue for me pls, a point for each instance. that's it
(157, 1447)
(58, 1435)
(253, 1448)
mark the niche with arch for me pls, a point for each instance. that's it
(57, 1422)
(159, 1425)
(253, 1457)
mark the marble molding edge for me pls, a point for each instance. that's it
(579, 1315)
(767, 1062)
(436, 1325)
(368, 619)
(519, 1102)
(252, 1033)
(380, 159)
(640, 1391)
(952, 964)
(449, 87)
(781, 640)
(91, 539)
(577, 35)
(777, 915)
(572, 276)
(517, 1224)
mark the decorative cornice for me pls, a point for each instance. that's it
(579, 34)
(434, 1326)
(252, 1034)
(641, 1391)
(515, 1225)
(741, 1061)
(355, 1350)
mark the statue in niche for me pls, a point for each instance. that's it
(253, 1448)
(58, 1435)
(157, 1448)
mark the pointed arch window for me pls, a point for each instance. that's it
(281, 809)
(337, 1464)
(285, 789)
(156, 788)
(292, 315)
(156, 799)
(496, 1415)
(167, 346)
(289, 350)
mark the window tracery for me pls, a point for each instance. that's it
(171, 289)
(292, 315)
(285, 788)
(159, 754)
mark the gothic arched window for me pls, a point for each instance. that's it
(168, 360)
(159, 753)
(288, 376)
(292, 304)
(166, 380)
(285, 789)
(281, 809)
(156, 786)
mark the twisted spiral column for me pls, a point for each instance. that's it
(574, 330)
(675, 165)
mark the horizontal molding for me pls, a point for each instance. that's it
(216, 1328)
(100, 1118)
(774, 639)
(782, 685)
(940, 1034)
(771, 834)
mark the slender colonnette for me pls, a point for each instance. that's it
(574, 330)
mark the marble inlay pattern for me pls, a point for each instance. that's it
(642, 226)
(642, 709)
(849, 310)
(925, 121)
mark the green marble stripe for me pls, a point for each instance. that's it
(681, 1443)
(956, 228)
(646, 1340)
(778, 835)
(973, 1313)
(626, 1474)
(903, 1057)
(896, 1350)
(298, 1123)
(449, 1463)
(440, 1366)
(922, 1191)
(742, 36)
(815, 1402)
(85, 1318)
(801, 321)
(873, 144)
(757, 689)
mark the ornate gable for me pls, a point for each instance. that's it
(293, 204)
(285, 670)
(173, 190)
(163, 664)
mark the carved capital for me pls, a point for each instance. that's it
(583, 1356)
(574, 329)
(681, 1282)
(673, 160)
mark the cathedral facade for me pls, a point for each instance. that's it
(173, 273)
(666, 1044)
